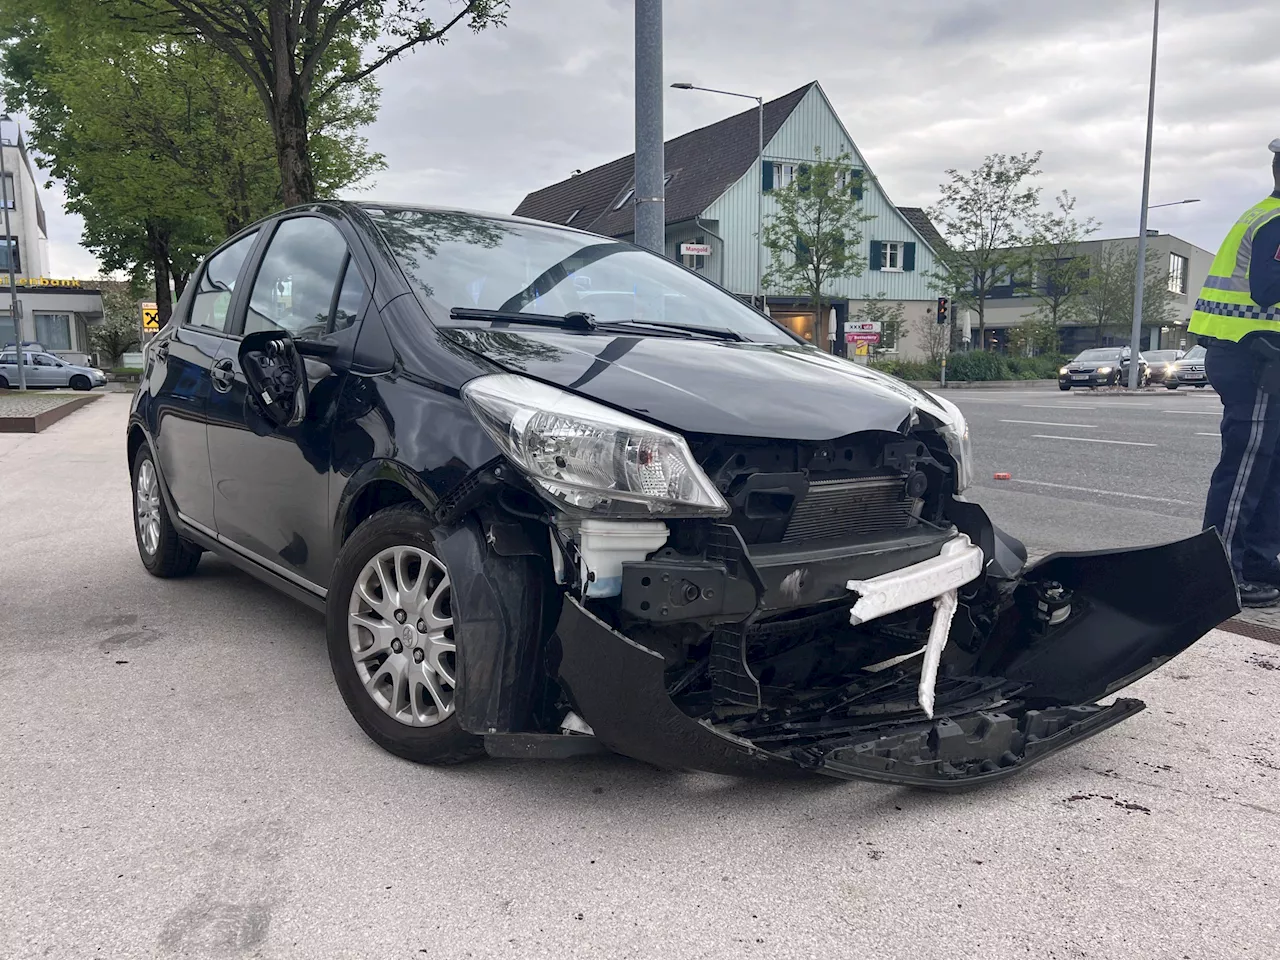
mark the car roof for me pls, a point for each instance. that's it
(366, 205)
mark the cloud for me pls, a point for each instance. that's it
(921, 85)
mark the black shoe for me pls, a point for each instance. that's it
(1258, 594)
(1267, 577)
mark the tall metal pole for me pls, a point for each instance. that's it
(650, 194)
(13, 286)
(1135, 340)
(760, 208)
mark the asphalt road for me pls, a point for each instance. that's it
(179, 778)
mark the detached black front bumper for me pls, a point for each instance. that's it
(1027, 692)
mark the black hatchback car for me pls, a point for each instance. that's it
(556, 494)
(1102, 367)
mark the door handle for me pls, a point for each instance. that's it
(223, 375)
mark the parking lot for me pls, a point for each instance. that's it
(181, 778)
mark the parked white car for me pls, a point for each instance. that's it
(47, 370)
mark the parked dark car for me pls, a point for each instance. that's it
(1188, 371)
(665, 527)
(1101, 367)
(1160, 363)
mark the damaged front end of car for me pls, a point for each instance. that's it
(784, 607)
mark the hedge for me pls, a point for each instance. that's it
(976, 365)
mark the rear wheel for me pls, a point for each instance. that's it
(391, 643)
(164, 553)
(79, 382)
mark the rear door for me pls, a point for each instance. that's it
(183, 354)
(271, 485)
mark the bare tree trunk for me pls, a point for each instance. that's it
(158, 244)
(297, 182)
(982, 323)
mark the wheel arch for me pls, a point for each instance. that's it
(376, 486)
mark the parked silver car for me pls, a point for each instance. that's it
(47, 370)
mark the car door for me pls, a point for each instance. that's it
(9, 368)
(44, 371)
(271, 484)
(178, 376)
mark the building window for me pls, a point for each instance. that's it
(7, 198)
(53, 330)
(783, 174)
(891, 255)
(694, 261)
(7, 334)
(626, 198)
(6, 250)
(573, 216)
(1177, 273)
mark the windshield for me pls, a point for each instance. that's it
(1104, 353)
(1195, 353)
(466, 260)
(1161, 356)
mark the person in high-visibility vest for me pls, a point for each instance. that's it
(1237, 319)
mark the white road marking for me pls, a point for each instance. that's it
(1109, 493)
(1043, 423)
(1123, 443)
(1197, 413)
(1135, 269)
(1054, 406)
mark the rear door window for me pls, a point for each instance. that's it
(212, 301)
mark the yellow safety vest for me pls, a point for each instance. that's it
(1225, 309)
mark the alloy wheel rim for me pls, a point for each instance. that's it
(400, 632)
(147, 502)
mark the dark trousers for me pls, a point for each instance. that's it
(1244, 494)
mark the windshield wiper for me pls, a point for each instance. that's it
(715, 333)
(573, 320)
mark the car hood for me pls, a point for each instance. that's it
(1090, 365)
(712, 386)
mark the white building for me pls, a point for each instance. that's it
(55, 313)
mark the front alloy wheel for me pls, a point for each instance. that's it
(390, 625)
(401, 632)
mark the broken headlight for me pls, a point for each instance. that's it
(955, 431)
(589, 458)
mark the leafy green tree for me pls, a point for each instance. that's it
(985, 215)
(303, 57)
(879, 309)
(161, 143)
(815, 236)
(1059, 268)
(1107, 299)
(119, 331)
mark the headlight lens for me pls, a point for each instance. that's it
(589, 458)
(956, 434)
(1064, 370)
(1104, 370)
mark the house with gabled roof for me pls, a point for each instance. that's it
(714, 179)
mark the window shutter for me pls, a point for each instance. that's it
(856, 188)
(876, 254)
(766, 174)
(802, 171)
(908, 256)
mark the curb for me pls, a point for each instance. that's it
(46, 418)
(985, 384)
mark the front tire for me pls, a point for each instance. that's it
(1064, 386)
(4, 382)
(163, 552)
(391, 645)
(1171, 386)
(80, 382)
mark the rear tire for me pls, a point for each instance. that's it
(394, 676)
(163, 552)
(80, 382)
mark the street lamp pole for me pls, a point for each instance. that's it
(13, 286)
(759, 176)
(1135, 340)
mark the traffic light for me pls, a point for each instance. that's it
(942, 310)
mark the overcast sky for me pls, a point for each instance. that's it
(921, 85)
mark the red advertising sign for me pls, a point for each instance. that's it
(862, 338)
